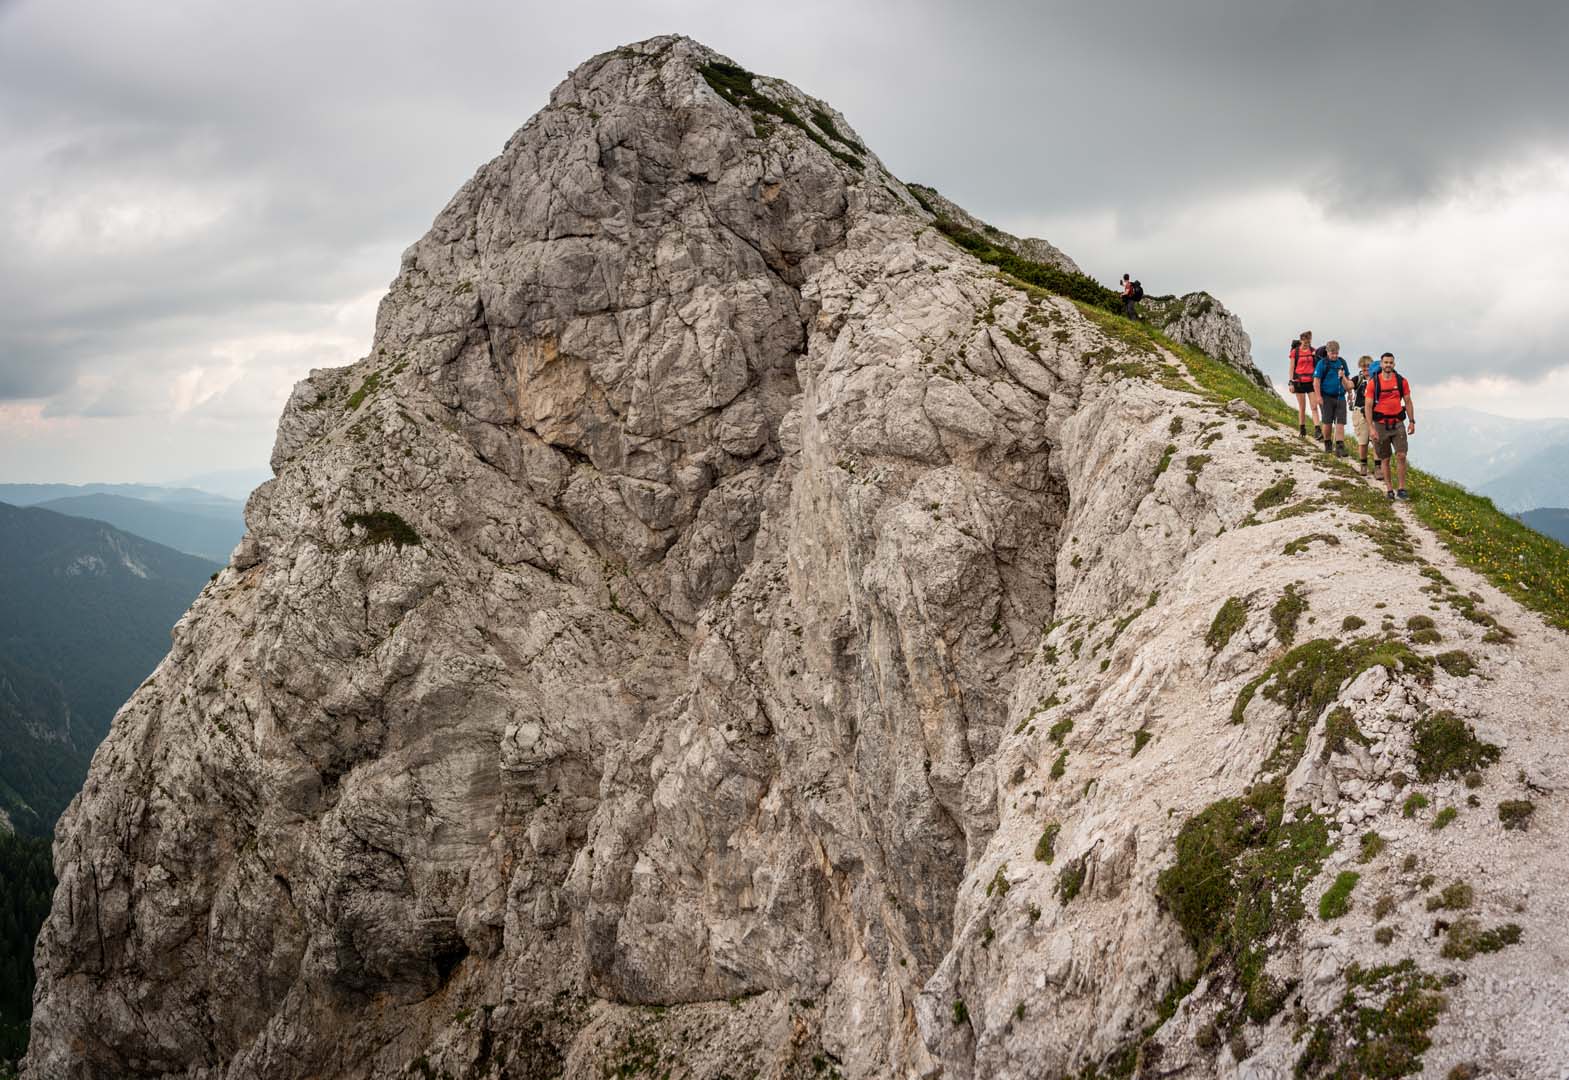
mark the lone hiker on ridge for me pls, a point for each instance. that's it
(1330, 377)
(1132, 293)
(1299, 374)
(1388, 405)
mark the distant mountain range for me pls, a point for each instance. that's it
(208, 530)
(185, 519)
(231, 483)
(85, 615)
(1552, 522)
(1519, 464)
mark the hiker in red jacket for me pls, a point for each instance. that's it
(1300, 375)
(1132, 293)
(1391, 417)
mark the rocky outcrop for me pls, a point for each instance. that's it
(1198, 319)
(1034, 248)
(722, 629)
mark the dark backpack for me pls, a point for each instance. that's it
(1138, 291)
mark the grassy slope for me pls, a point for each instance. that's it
(1522, 562)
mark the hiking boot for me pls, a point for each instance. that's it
(1390, 495)
(1318, 431)
(1401, 494)
(1340, 449)
(1364, 468)
(1329, 446)
(1302, 430)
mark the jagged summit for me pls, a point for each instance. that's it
(723, 628)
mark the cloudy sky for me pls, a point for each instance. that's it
(199, 202)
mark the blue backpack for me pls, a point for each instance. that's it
(1334, 374)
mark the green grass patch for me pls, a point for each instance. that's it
(1122, 624)
(1309, 677)
(1372, 844)
(1516, 813)
(1046, 846)
(826, 125)
(1443, 818)
(1456, 662)
(1041, 275)
(1165, 459)
(1275, 448)
(1466, 939)
(1276, 494)
(1352, 622)
(367, 389)
(1195, 465)
(1445, 745)
(1530, 567)
(1336, 900)
(737, 86)
(1070, 879)
(1300, 544)
(384, 527)
(1059, 731)
(1140, 739)
(1235, 887)
(1339, 729)
(1456, 897)
(1414, 802)
(1381, 1028)
(1286, 613)
(1228, 620)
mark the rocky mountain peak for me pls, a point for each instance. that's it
(723, 628)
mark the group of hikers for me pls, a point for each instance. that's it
(1377, 397)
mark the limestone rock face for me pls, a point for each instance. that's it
(1200, 320)
(722, 629)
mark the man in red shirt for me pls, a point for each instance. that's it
(1390, 418)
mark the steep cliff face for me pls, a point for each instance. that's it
(722, 629)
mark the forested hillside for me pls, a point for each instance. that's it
(85, 614)
(26, 882)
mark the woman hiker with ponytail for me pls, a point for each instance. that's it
(1300, 376)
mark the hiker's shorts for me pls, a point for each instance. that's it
(1332, 410)
(1359, 424)
(1301, 386)
(1389, 439)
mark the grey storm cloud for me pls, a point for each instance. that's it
(177, 174)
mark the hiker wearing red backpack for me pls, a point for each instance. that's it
(1390, 417)
(1300, 376)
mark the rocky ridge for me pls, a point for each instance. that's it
(1196, 318)
(723, 629)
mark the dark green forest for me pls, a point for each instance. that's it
(26, 884)
(85, 614)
